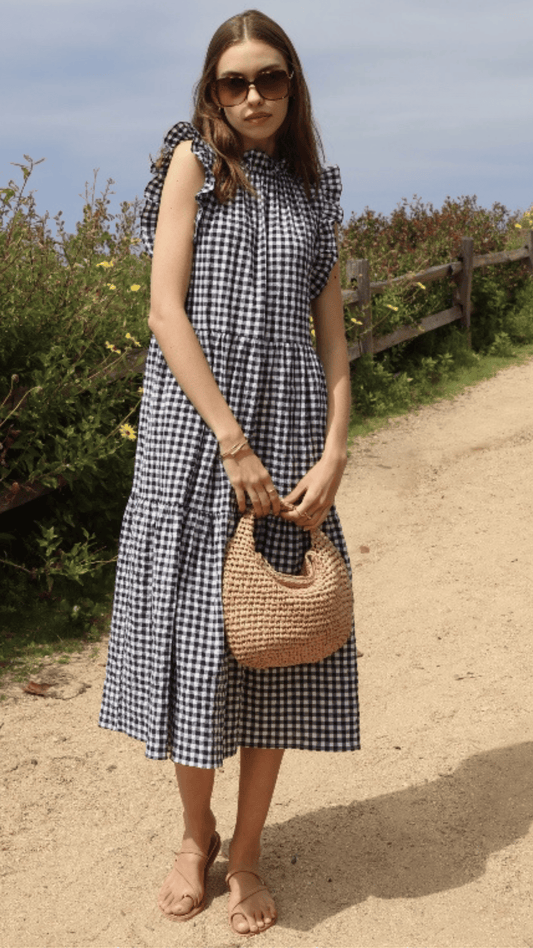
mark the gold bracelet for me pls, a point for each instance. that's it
(235, 449)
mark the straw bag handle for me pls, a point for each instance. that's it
(283, 506)
(249, 517)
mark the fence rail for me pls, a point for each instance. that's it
(359, 300)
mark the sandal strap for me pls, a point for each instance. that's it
(192, 852)
(233, 907)
(245, 869)
(191, 894)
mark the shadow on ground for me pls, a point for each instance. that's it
(407, 844)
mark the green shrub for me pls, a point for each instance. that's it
(72, 318)
(519, 322)
(416, 236)
(73, 313)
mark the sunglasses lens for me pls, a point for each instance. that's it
(273, 85)
(232, 90)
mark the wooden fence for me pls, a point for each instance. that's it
(460, 270)
(358, 300)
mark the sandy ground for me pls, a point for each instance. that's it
(421, 839)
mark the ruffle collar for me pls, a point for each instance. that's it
(257, 160)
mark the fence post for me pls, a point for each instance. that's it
(529, 245)
(359, 270)
(464, 283)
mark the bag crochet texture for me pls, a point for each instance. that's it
(275, 619)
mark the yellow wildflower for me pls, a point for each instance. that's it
(135, 287)
(519, 226)
(140, 390)
(112, 348)
(395, 308)
(134, 341)
(111, 286)
(357, 322)
(106, 264)
(421, 285)
(127, 431)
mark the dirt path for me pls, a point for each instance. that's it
(421, 839)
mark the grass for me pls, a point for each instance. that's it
(461, 378)
(45, 630)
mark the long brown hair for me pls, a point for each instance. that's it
(298, 140)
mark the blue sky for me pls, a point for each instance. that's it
(417, 96)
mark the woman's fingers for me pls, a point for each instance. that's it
(309, 516)
(249, 478)
(260, 502)
(297, 516)
(274, 499)
(241, 498)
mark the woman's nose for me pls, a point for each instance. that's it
(254, 98)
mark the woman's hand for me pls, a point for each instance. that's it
(315, 493)
(248, 476)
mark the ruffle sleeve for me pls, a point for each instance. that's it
(181, 132)
(329, 212)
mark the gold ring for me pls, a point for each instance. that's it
(274, 491)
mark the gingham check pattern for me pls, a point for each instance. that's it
(170, 680)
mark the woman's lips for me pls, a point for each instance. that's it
(260, 117)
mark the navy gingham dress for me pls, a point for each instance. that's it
(171, 682)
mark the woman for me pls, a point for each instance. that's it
(237, 408)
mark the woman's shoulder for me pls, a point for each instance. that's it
(328, 192)
(180, 134)
(190, 143)
(330, 180)
(185, 169)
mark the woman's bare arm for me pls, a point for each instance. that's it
(315, 492)
(328, 321)
(171, 273)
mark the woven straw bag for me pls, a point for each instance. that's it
(276, 619)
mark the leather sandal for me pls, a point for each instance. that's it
(233, 906)
(209, 858)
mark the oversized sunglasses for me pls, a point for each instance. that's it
(233, 90)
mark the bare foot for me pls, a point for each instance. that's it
(251, 906)
(182, 894)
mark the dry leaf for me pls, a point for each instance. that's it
(36, 688)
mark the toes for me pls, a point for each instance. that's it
(251, 923)
(240, 924)
(172, 904)
(186, 904)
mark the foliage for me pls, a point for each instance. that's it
(413, 238)
(73, 323)
(416, 236)
(72, 319)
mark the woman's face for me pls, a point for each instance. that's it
(256, 120)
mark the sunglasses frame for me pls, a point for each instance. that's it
(214, 89)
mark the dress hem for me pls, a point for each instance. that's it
(231, 753)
